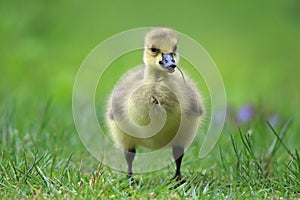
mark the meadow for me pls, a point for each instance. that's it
(255, 45)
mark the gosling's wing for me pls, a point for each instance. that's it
(122, 91)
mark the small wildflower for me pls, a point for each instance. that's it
(245, 114)
(273, 120)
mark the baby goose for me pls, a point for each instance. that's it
(145, 94)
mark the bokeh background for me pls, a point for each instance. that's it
(255, 44)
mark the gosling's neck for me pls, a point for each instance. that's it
(155, 74)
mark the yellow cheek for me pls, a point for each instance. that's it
(150, 59)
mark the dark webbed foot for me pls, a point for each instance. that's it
(179, 180)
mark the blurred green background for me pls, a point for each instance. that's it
(255, 44)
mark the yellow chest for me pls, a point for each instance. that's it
(150, 95)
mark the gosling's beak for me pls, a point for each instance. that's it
(168, 62)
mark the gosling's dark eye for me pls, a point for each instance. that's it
(154, 49)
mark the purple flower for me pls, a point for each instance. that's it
(273, 120)
(245, 114)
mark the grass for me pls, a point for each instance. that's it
(255, 44)
(46, 160)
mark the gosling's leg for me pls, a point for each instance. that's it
(129, 156)
(178, 153)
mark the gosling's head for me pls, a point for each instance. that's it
(161, 49)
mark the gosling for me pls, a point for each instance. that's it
(145, 94)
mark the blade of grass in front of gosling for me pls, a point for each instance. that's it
(36, 161)
(4, 171)
(247, 144)
(43, 177)
(67, 163)
(53, 163)
(294, 167)
(281, 142)
(237, 154)
(275, 145)
(64, 169)
(181, 73)
(292, 170)
(14, 170)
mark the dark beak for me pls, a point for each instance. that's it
(168, 62)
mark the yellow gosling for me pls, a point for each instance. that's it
(155, 95)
